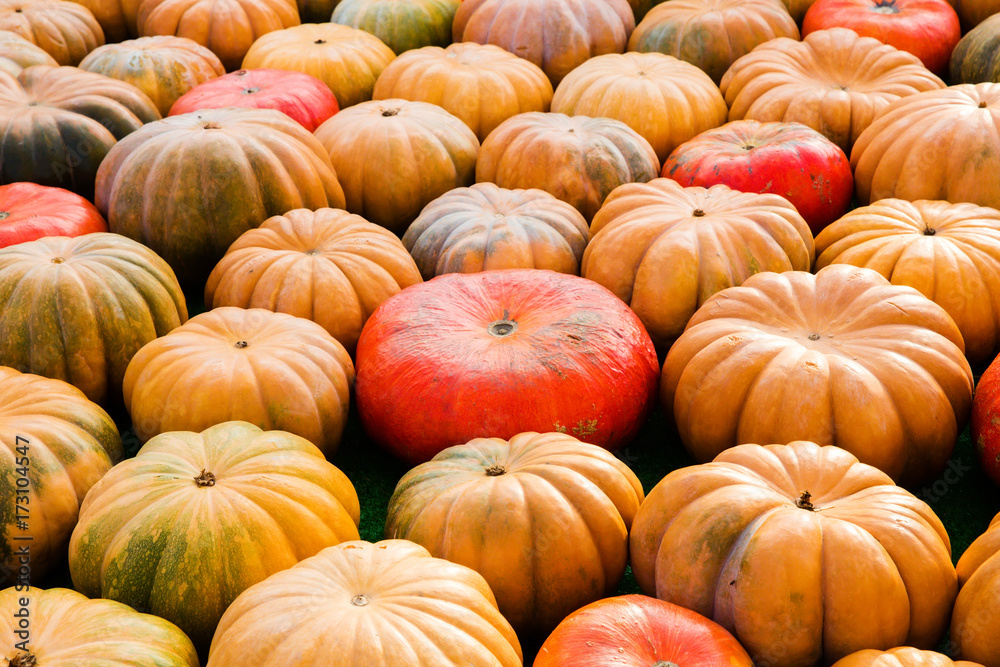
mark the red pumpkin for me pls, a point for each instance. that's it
(498, 353)
(984, 423)
(298, 95)
(787, 159)
(29, 211)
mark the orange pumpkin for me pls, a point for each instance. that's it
(974, 12)
(65, 30)
(901, 656)
(17, 53)
(974, 620)
(117, 17)
(805, 554)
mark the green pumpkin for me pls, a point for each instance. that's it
(401, 24)
(976, 57)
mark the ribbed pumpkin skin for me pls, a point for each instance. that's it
(666, 100)
(159, 533)
(712, 34)
(481, 84)
(69, 114)
(984, 427)
(62, 444)
(164, 67)
(401, 24)
(29, 211)
(66, 30)
(973, 12)
(230, 169)
(557, 35)
(17, 53)
(227, 27)
(842, 357)
(901, 656)
(346, 59)
(639, 631)
(396, 156)
(77, 309)
(940, 144)
(653, 249)
(486, 227)
(798, 8)
(448, 612)
(498, 353)
(869, 566)
(976, 58)
(117, 18)
(543, 517)
(578, 159)
(974, 619)
(68, 629)
(949, 252)
(833, 81)
(328, 266)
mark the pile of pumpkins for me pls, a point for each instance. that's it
(500, 234)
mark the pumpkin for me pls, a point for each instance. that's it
(300, 96)
(282, 373)
(940, 144)
(401, 24)
(901, 656)
(346, 59)
(498, 353)
(798, 8)
(56, 445)
(841, 357)
(639, 631)
(486, 227)
(666, 100)
(66, 629)
(973, 621)
(712, 34)
(787, 159)
(67, 31)
(374, 604)
(396, 156)
(973, 12)
(163, 67)
(543, 517)
(117, 18)
(641, 7)
(949, 252)
(984, 425)
(556, 35)
(976, 57)
(329, 266)
(230, 169)
(29, 211)
(578, 159)
(77, 309)
(665, 249)
(480, 84)
(58, 123)
(194, 519)
(928, 29)
(227, 27)
(17, 53)
(834, 81)
(802, 552)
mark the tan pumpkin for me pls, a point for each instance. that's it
(328, 266)
(346, 59)
(395, 156)
(805, 554)
(164, 67)
(974, 619)
(117, 17)
(387, 603)
(578, 159)
(17, 53)
(841, 357)
(901, 656)
(486, 227)
(67, 31)
(712, 34)
(665, 249)
(949, 252)
(833, 81)
(481, 84)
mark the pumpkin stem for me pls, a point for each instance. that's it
(930, 232)
(205, 478)
(805, 501)
(240, 344)
(389, 112)
(360, 600)
(24, 660)
(495, 470)
(982, 105)
(814, 336)
(58, 260)
(320, 41)
(250, 91)
(664, 663)
(501, 328)
(4, 214)
(698, 213)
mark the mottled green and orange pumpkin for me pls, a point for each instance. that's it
(976, 57)
(401, 24)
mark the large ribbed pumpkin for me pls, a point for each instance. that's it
(665, 249)
(66, 629)
(117, 17)
(401, 24)
(901, 656)
(29, 211)
(328, 266)
(802, 552)
(842, 357)
(56, 445)
(974, 620)
(666, 100)
(950, 252)
(543, 517)
(194, 519)
(230, 169)
(498, 353)
(17, 53)
(77, 309)
(388, 603)
(65, 30)
(833, 81)
(278, 371)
